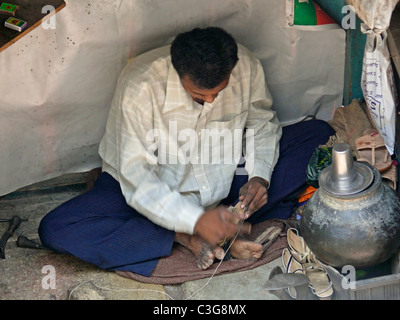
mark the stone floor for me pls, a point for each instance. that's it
(39, 274)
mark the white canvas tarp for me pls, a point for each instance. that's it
(57, 84)
(375, 14)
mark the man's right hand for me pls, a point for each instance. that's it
(217, 224)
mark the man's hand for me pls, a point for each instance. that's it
(254, 194)
(217, 224)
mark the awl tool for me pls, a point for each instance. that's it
(15, 221)
(9, 220)
(24, 242)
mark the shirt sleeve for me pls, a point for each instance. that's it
(137, 168)
(263, 129)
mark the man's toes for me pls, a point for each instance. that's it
(219, 253)
(205, 261)
(257, 251)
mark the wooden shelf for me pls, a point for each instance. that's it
(29, 11)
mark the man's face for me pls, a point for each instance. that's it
(202, 95)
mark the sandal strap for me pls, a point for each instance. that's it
(318, 293)
(303, 256)
(289, 263)
(374, 142)
(313, 286)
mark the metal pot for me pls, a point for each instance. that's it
(353, 218)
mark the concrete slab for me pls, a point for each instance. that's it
(245, 285)
(110, 286)
(42, 275)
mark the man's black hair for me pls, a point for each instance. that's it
(206, 56)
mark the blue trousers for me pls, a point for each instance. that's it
(99, 227)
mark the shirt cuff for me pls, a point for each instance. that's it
(187, 219)
(259, 171)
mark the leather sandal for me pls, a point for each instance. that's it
(298, 247)
(268, 237)
(235, 209)
(389, 177)
(320, 283)
(291, 265)
(372, 149)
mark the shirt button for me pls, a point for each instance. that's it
(204, 187)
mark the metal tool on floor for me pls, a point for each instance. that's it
(15, 221)
(9, 220)
(25, 242)
(279, 282)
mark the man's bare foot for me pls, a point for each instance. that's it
(202, 251)
(243, 248)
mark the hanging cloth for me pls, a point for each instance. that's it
(377, 80)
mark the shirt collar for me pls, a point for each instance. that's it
(176, 96)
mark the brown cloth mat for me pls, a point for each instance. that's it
(181, 267)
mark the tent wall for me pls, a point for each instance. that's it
(57, 84)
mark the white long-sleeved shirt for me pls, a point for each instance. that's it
(173, 157)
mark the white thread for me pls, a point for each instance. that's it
(158, 291)
(213, 274)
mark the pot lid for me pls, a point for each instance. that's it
(345, 176)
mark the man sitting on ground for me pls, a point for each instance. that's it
(176, 110)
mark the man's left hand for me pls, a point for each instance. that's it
(254, 195)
